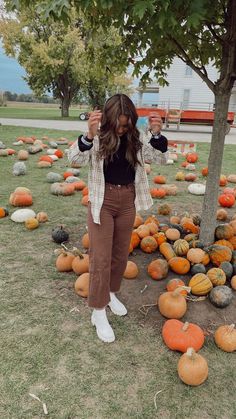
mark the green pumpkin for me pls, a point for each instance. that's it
(227, 267)
(198, 268)
(221, 296)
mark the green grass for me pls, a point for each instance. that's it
(53, 352)
(31, 112)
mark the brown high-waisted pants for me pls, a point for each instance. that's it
(109, 243)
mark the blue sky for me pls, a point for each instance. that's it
(11, 75)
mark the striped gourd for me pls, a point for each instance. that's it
(200, 284)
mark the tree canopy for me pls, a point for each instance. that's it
(154, 32)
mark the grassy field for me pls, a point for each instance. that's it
(37, 111)
(47, 344)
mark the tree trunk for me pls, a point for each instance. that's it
(65, 104)
(209, 209)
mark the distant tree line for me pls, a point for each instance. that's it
(28, 97)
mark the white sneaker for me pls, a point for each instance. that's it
(103, 328)
(116, 306)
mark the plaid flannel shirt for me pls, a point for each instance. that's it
(96, 181)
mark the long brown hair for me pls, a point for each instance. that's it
(116, 106)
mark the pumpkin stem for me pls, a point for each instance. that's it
(64, 246)
(231, 328)
(178, 290)
(190, 352)
(77, 252)
(185, 326)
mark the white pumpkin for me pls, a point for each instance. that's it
(72, 179)
(170, 161)
(190, 167)
(50, 151)
(21, 215)
(197, 188)
(54, 158)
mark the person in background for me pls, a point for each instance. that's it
(118, 188)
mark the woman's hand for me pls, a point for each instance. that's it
(93, 123)
(155, 123)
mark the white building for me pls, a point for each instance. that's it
(186, 90)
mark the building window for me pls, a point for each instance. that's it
(188, 71)
(186, 97)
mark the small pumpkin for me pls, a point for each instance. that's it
(195, 255)
(181, 247)
(192, 368)
(3, 212)
(204, 171)
(135, 239)
(198, 268)
(224, 231)
(64, 261)
(160, 237)
(159, 179)
(190, 177)
(171, 189)
(158, 269)
(82, 285)
(221, 296)
(59, 234)
(226, 200)
(80, 264)
(175, 219)
(200, 284)
(225, 338)
(85, 241)
(173, 283)
(31, 223)
(179, 265)
(179, 336)
(172, 304)
(216, 276)
(231, 178)
(131, 270)
(137, 221)
(42, 217)
(221, 214)
(180, 176)
(192, 157)
(228, 269)
(148, 244)
(164, 209)
(233, 282)
(172, 234)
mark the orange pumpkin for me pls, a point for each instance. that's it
(148, 244)
(175, 219)
(224, 242)
(160, 237)
(131, 270)
(167, 250)
(151, 219)
(224, 231)
(79, 185)
(143, 231)
(221, 214)
(18, 199)
(219, 254)
(85, 191)
(80, 264)
(82, 285)
(135, 239)
(204, 171)
(158, 269)
(64, 261)
(67, 174)
(42, 217)
(179, 265)
(233, 242)
(85, 241)
(138, 221)
(84, 200)
(159, 179)
(153, 228)
(58, 153)
(172, 304)
(172, 284)
(179, 336)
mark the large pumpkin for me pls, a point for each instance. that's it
(18, 199)
(172, 234)
(158, 269)
(219, 254)
(195, 255)
(179, 265)
(180, 336)
(200, 284)
(221, 296)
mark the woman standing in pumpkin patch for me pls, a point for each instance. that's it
(118, 187)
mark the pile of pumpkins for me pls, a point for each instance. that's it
(178, 242)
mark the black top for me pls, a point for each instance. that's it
(119, 171)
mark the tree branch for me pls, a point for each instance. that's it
(213, 32)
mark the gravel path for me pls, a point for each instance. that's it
(195, 133)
